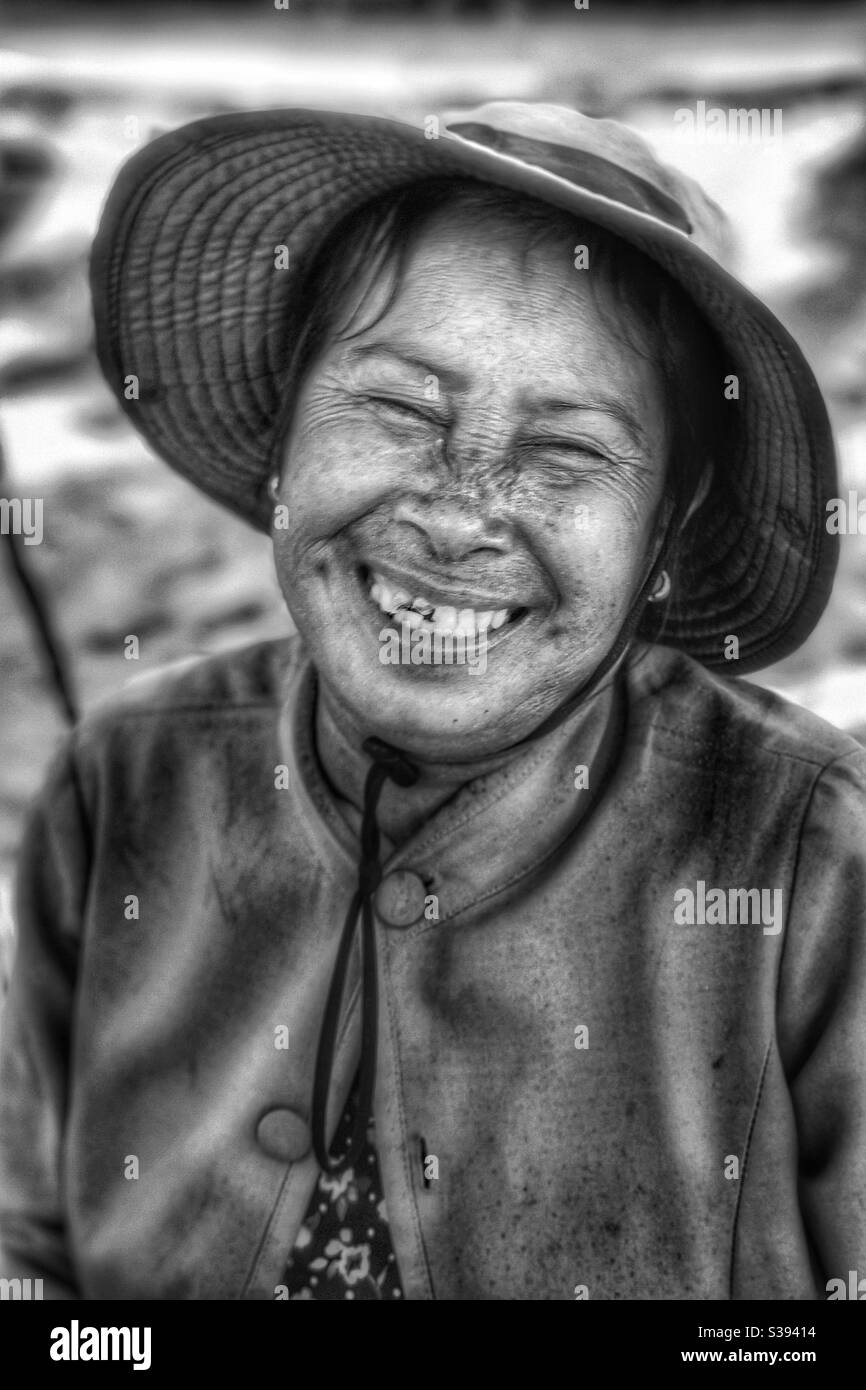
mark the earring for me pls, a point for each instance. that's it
(274, 487)
(662, 588)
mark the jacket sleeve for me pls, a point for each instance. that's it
(35, 1036)
(822, 1017)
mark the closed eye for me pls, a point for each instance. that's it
(571, 446)
(401, 409)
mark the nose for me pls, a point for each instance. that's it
(452, 529)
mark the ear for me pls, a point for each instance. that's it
(667, 509)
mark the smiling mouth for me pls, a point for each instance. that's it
(424, 615)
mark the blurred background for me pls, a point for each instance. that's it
(130, 549)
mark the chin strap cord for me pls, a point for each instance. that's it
(389, 762)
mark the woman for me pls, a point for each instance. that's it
(487, 940)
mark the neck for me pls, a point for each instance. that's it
(403, 810)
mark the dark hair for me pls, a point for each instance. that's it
(377, 238)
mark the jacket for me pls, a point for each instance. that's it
(638, 1078)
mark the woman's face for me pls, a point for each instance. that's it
(490, 452)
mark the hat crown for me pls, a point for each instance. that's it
(598, 154)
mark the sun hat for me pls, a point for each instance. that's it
(188, 302)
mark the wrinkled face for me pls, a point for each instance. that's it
(485, 461)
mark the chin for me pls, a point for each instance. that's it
(450, 716)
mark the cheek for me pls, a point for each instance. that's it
(592, 546)
(340, 466)
(595, 588)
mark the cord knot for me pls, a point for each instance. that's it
(392, 762)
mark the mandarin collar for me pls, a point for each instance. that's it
(495, 830)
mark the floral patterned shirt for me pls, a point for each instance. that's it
(343, 1248)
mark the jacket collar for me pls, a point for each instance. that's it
(495, 831)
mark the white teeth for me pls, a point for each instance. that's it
(388, 599)
(419, 612)
(409, 616)
(444, 619)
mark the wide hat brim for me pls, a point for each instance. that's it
(187, 301)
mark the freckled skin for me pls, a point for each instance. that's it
(475, 491)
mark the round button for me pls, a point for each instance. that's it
(400, 898)
(283, 1134)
